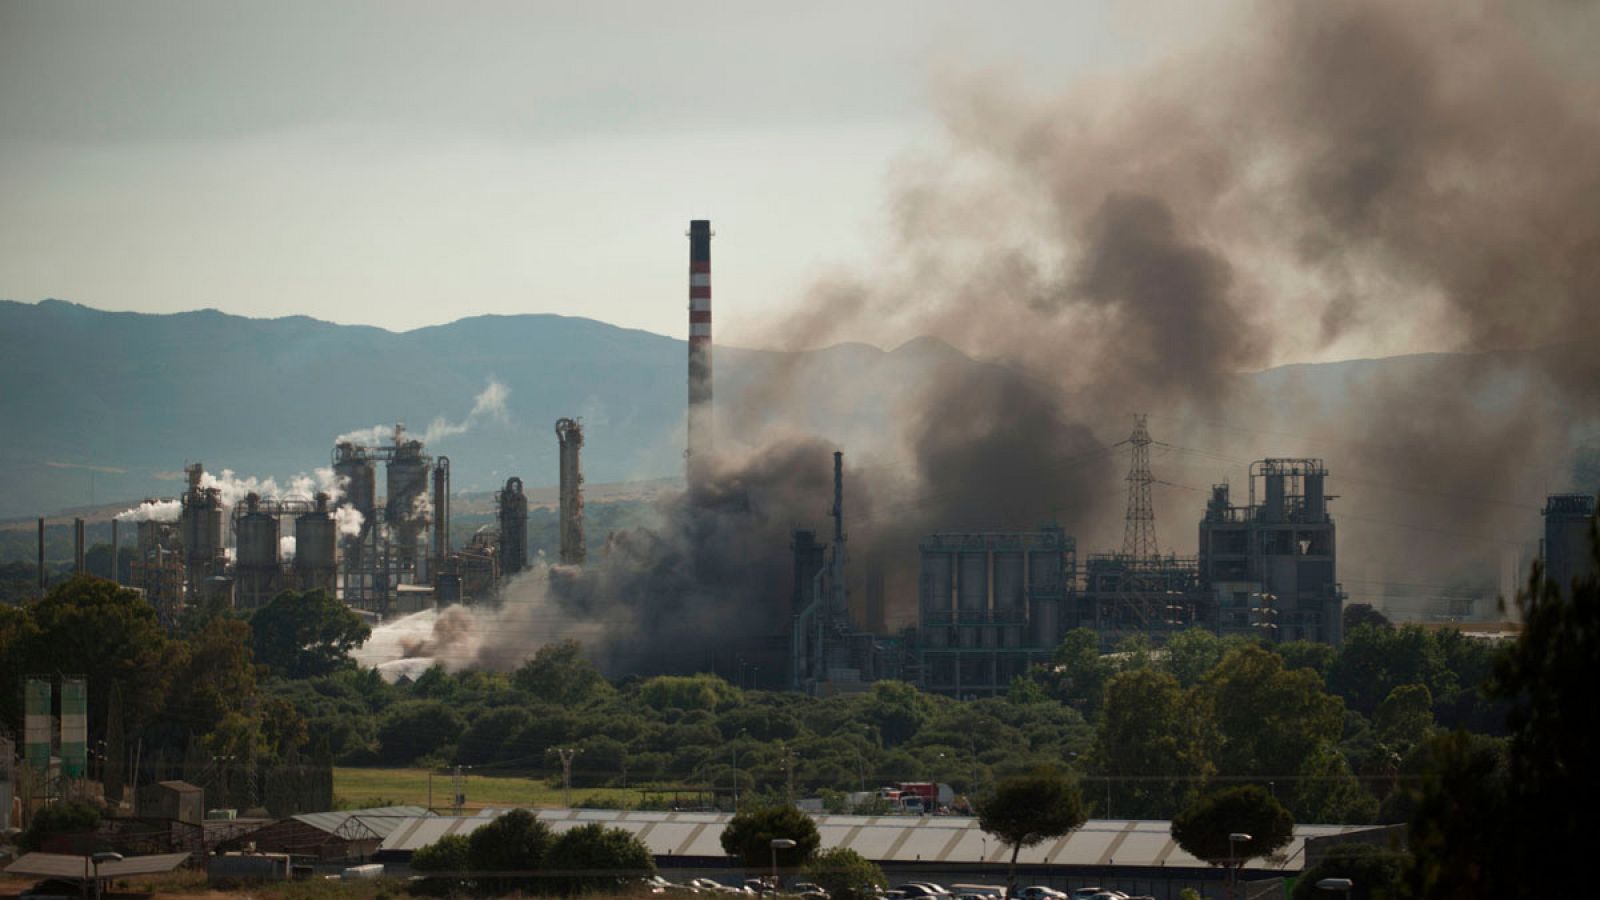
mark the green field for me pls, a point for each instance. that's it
(355, 788)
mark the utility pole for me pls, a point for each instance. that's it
(567, 754)
(459, 788)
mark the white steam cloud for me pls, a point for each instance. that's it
(349, 520)
(152, 511)
(489, 405)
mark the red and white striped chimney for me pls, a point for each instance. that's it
(700, 425)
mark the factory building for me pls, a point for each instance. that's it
(386, 551)
(990, 607)
(1270, 566)
(1569, 520)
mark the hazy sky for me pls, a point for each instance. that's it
(404, 164)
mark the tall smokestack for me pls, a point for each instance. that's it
(43, 581)
(699, 339)
(77, 547)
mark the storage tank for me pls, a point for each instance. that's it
(258, 537)
(315, 542)
(936, 585)
(256, 569)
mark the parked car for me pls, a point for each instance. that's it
(1041, 892)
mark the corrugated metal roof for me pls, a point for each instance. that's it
(942, 839)
(381, 820)
(71, 866)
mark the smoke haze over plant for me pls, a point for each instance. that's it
(1325, 176)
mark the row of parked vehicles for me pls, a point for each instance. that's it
(751, 886)
(911, 890)
(925, 890)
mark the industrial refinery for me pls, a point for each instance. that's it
(989, 605)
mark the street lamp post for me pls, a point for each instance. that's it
(778, 844)
(97, 859)
(1237, 837)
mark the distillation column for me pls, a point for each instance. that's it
(569, 433)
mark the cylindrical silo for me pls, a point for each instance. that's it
(936, 584)
(256, 566)
(315, 542)
(258, 537)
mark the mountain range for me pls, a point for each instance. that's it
(108, 406)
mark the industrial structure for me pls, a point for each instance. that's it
(699, 418)
(990, 605)
(259, 572)
(1569, 520)
(829, 653)
(511, 511)
(384, 555)
(569, 434)
(1271, 566)
(384, 551)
